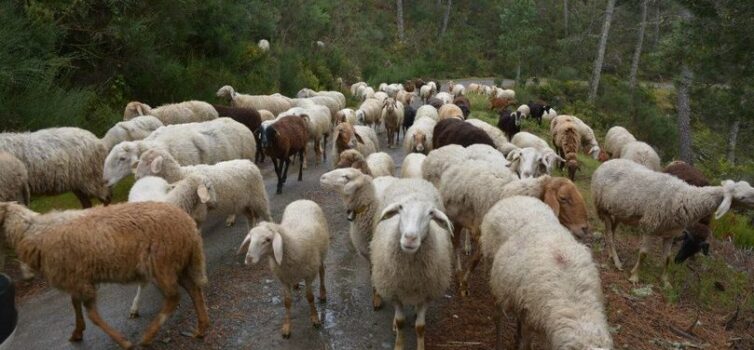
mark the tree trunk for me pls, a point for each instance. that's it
(733, 139)
(445, 18)
(399, 5)
(637, 52)
(518, 73)
(657, 24)
(565, 17)
(684, 115)
(597, 72)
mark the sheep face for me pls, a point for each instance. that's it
(740, 193)
(348, 158)
(419, 141)
(569, 206)
(118, 164)
(361, 117)
(414, 219)
(694, 241)
(346, 181)
(346, 137)
(526, 162)
(261, 241)
(595, 152)
(151, 163)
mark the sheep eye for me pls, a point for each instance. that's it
(267, 240)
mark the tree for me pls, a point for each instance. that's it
(446, 18)
(399, 6)
(683, 105)
(599, 60)
(639, 42)
(565, 17)
(521, 27)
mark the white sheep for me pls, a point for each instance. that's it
(274, 104)
(542, 275)
(418, 137)
(380, 164)
(346, 115)
(266, 115)
(425, 92)
(549, 157)
(549, 114)
(615, 139)
(445, 97)
(14, 182)
(131, 130)
(59, 160)
(411, 251)
(175, 113)
(382, 87)
(336, 95)
(659, 203)
(264, 45)
(392, 117)
(369, 112)
(238, 183)
(405, 97)
(641, 153)
(412, 166)
(524, 110)
(427, 111)
(297, 248)
(367, 93)
(355, 88)
(319, 121)
(381, 96)
(192, 143)
(457, 90)
(497, 136)
(444, 157)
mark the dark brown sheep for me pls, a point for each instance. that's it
(435, 102)
(694, 236)
(283, 139)
(463, 103)
(567, 143)
(456, 131)
(499, 103)
(246, 116)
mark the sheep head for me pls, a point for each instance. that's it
(739, 193)
(526, 162)
(694, 240)
(346, 137)
(569, 206)
(420, 140)
(262, 240)
(414, 220)
(120, 161)
(603, 157)
(227, 92)
(572, 164)
(152, 163)
(345, 181)
(349, 157)
(135, 109)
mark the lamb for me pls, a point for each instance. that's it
(588, 140)
(458, 90)
(445, 97)
(548, 156)
(193, 194)
(499, 104)
(615, 139)
(567, 143)
(352, 158)
(695, 236)
(87, 241)
(131, 130)
(362, 198)
(455, 131)
(509, 123)
(427, 111)
(411, 251)
(376, 164)
(274, 104)
(412, 166)
(392, 115)
(319, 124)
(439, 160)
(425, 92)
(418, 138)
(409, 115)
(176, 113)
(661, 204)
(544, 276)
(360, 138)
(60, 160)
(297, 249)
(14, 182)
(497, 136)
(246, 116)
(464, 104)
(367, 93)
(346, 115)
(549, 114)
(405, 97)
(283, 139)
(369, 112)
(264, 45)
(192, 143)
(450, 111)
(238, 183)
(641, 153)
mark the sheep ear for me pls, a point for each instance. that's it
(390, 211)
(203, 193)
(441, 218)
(277, 248)
(551, 199)
(514, 155)
(244, 245)
(140, 109)
(728, 186)
(156, 165)
(358, 138)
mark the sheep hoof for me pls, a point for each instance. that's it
(286, 333)
(315, 322)
(634, 278)
(134, 314)
(76, 337)
(230, 221)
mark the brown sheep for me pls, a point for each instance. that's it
(499, 103)
(246, 116)
(456, 131)
(450, 111)
(567, 142)
(694, 236)
(283, 139)
(392, 116)
(359, 137)
(464, 104)
(122, 243)
(354, 159)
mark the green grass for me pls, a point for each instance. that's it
(736, 227)
(69, 201)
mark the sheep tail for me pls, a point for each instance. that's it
(197, 269)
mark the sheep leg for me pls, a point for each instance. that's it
(464, 284)
(376, 298)
(317, 152)
(300, 168)
(610, 227)
(643, 250)
(421, 312)
(324, 147)
(78, 332)
(285, 165)
(86, 202)
(168, 307)
(312, 308)
(322, 290)
(286, 331)
(398, 320)
(91, 309)
(278, 164)
(231, 220)
(134, 312)
(467, 242)
(667, 245)
(498, 328)
(200, 307)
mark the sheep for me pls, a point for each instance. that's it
(435, 102)
(530, 162)
(14, 181)
(352, 158)
(60, 160)
(238, 183)
(475, 88)
(131, 130)
(497, 136)
(367, 93)
(346, 115)
(319, 124)
(392, 90)
(505, 93)
(499, 104)
(445, 97)
(176, 113)
(369, 112)
(509, 123)
(274, 104)
(355, 88)
(418, 138)
(661, 204)
(524, 110)
(457, 90)
(455, 131)
(464, 104)
(283, 139)
(192, 143)
(332, 104)
(264, 45)
(392, 115)
(265, 115)
(425, 92)
(336, 95)
(641, 153)
(405, 97)
(433, 86)
(615, 139)
(246, 116)
(543, 276)
(427, 111)
(549, 114)
(588, 140)
(695, 236)
(450, 111)
(411, 251)
(362, 199)
(360, 138)
(86, 242)
(441, 159)
(297, 249)
(409, 115)
(548, 156)
(381, 96)
(567, 143)
(376, 164)
(412, 166)
(382, 87)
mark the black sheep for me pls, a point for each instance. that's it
(409, 114)
(536, 111)
(509, 123)
(455, 131)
